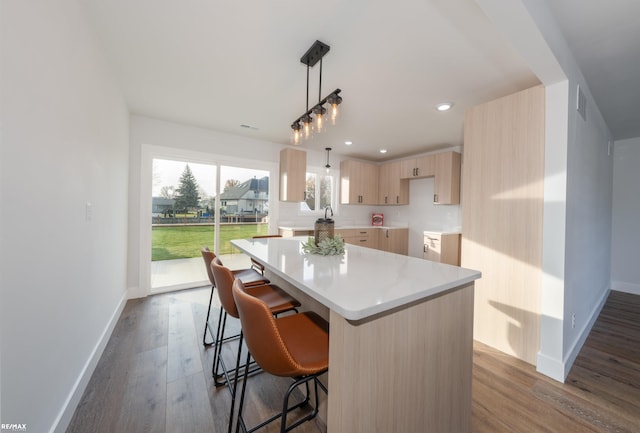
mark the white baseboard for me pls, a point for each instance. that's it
(559, 369)
(64, 417)
(584, 333)
(621, 286)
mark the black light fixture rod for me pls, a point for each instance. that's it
(307, 88)
(320, 83)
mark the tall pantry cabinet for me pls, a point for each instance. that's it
(502, 206)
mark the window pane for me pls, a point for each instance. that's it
(181, 221)
(244, 209)
(310, 192)
(326, 192)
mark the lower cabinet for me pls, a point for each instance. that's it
(363, 237)
(442, 247)
(394, 240)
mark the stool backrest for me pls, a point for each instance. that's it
(224, 281)
(208, 256)
(261, 334)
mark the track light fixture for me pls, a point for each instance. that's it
(305, 125)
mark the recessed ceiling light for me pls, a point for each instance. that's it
(444, 106)
(383, 150)
(348, 143)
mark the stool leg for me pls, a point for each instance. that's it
(206, 322)
(239, 419)
(222, 323)
(235, 383)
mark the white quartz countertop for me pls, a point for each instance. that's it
(361, 283)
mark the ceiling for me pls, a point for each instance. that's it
(604, 37)
(221, 65)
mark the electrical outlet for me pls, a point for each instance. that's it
(573, 320)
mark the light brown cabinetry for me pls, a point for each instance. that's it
(394, 240)
(293, 172)
(392, 189)
(358, 182)
(363, 237)
(414, 168)
(503, 196)
(446, 188)
(442, 247)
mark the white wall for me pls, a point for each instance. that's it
(589, 177)
(64, 144)
(625, 272)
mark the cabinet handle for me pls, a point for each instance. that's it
(387, 233)
(417, 171)
(425, 249)
(435, 198)
(385, 199)
(397, 199)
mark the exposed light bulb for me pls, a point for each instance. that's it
(334, 100)
(319, 111)
(296, 132)
(307, 121)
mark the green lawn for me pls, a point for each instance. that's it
(182, 242)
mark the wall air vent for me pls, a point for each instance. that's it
(581, 104)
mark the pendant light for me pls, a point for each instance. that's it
(305, 125)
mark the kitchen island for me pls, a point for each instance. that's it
(401, 334)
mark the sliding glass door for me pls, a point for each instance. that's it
(182, 215)
(196, 205)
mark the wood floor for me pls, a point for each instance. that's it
(154, 376)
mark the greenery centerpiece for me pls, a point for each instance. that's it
(327, 247)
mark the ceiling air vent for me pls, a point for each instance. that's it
(581, 104)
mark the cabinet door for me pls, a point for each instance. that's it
(447, 178)
(358, 182)
(408, 168)
(293, 173)
(391, 188)
(414, 168)
(369, 186)
(394, 241)
(384, 190)
(425, 166)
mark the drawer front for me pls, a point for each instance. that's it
(353, 233)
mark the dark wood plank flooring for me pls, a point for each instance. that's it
(155, 376)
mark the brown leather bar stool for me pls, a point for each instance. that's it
(295, 346)
(250, 277)
(276, 299)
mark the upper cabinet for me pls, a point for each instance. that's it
(388, 184)
(293, 173)
(358, 182)
(446, 188)
(413, 168)
(391, 188)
